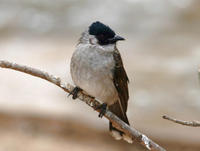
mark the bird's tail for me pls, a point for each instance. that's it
(116, 133)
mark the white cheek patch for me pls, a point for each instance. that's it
(93, 40)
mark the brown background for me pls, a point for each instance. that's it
(161, 55)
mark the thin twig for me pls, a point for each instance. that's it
(130, 131)
(187, 123)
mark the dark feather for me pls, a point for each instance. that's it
(98, 28)
(115, 108)
(120, 80)
(102, 32)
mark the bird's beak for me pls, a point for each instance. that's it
(115, 39)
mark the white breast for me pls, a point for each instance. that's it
(91, 70)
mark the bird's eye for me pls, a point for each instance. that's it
(101, 36)
(102, 39)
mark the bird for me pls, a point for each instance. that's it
(97, 68)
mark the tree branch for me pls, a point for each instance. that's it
(131, 132)
(187, 123)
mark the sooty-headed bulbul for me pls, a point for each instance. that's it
(97, 68)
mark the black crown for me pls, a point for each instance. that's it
(98, 28)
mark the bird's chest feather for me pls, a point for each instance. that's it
(92, 70)
(90, 63)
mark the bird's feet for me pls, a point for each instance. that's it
(102, 109)
(74, 92)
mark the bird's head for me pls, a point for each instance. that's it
(103, 34)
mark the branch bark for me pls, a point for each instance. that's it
(130, 131)
(187, 123)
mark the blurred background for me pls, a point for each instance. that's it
(161, 55)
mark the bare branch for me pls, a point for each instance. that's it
(130, 131)
(187, 123)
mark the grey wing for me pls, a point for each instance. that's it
(120, 80)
